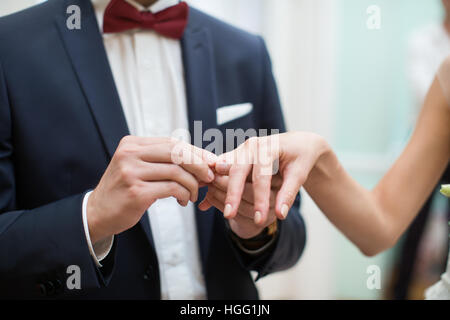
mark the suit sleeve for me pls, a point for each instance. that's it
(37, 246)
(291, 237)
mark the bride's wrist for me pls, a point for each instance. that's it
(326, 162)
(324, 150)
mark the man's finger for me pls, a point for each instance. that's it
(222, 167)
(205, 205)
(166, 189)
(200, 170)
(168, 172)
(215, 202)
(193, 160)
(208, 157)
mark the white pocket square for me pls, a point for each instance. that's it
(230, 113)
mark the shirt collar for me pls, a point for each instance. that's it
(160, 5)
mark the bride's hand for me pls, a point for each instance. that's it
(292, 155)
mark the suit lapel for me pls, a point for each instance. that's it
(202, 103)
(88, 56)
(87, 53)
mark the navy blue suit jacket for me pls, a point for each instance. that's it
(60, 122)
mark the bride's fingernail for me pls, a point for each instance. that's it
(227, 211)
(258, 217)
(284, 210)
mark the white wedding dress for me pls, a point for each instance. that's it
(441, 290)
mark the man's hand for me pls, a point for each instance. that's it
(245, 223)
(142, 171)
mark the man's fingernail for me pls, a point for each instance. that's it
(258, 217)
(210, 175)
(221, 166)
(284, 210)
(227, 211)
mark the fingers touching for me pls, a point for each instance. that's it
(228, 175)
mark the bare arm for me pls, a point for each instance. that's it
(374, 220)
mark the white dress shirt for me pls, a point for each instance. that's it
(148, 72)
(428, 48)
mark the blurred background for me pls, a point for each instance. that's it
(356, 72)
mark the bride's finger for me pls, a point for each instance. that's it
(236, 184)
(294, 178)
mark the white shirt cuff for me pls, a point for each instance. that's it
(101, 249)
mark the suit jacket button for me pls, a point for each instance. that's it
(148, 273)
(50, 286)
(42, 289)
(58, 286)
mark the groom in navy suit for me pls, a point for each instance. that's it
(91, 205)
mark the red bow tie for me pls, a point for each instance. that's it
(121, 16)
